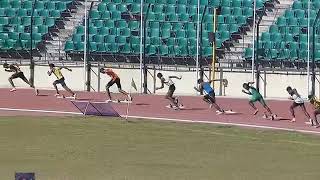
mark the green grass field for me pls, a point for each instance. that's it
(78, 148)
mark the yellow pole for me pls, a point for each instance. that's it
(213, 65)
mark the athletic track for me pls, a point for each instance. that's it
(23, 102)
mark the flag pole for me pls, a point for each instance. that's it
(128, 104)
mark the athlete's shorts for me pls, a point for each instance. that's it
(258, 97)
(171, 90)
(294, 104)
(117, 81)
(18, 75)
(60, 81)
(211, 97)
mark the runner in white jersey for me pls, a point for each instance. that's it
(297, 101)
(171, 90)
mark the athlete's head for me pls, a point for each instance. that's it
(289, 89)
(245, 86)
(159, 75)
(101, 70)
(51, 65)
(200, 81)
(6, 65)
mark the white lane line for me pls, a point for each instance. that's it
(225, 123)
(40, 111)
(171, 119)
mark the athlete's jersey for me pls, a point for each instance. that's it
(15, 68)
(253, 91)
(57, 72)
(112, 74)
(316, 103)
(168, 82)
(296, 97)
(206, 87)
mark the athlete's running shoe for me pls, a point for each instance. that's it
(13, 89)
(36, 91)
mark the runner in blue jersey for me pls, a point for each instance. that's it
(209, 95)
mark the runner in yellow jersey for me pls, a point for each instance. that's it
(316, 105)
(60, 79)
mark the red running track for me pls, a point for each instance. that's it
(23, 102)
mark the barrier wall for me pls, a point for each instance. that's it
(275, 83)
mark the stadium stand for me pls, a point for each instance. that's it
(114, 27)
(17, 34)
(287, 38)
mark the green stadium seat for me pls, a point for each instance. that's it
(101, 48)
(93, 30)
(116, 15)
(50, 5)
(105, 15)
(26, 21)
(61, 6)
(104, 31)
(112, 7)
(43, 29)
(39, 5)
(134, 25)
(49, 22)
(15, 4)
(122, 7)
(109, 23)
(288, 13)
(125, 49)
(11, 12)
(297, 5)
(68, 46)
(163, 50)
(15, 21)
(92, 46)
(4, 4)
(37, 21)
(45, 13)
(98, 38)
(165, 33)
(19, 28)
(79, 46)
(182, 2)
(102, 7)
(98, 23)
(94, 14)
(225, 3)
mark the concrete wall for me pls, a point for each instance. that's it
(275, 87)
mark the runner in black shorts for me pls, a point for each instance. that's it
(297, 101)
(171, 89)
(60, 79)
(17, 74)
(114, 80)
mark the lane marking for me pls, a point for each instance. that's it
(225, 123)
(40, 111)
(171, 119)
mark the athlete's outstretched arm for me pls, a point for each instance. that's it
(197, 89)
(162, 85)
(9, 70)
(246, 92)
(66, 68)
(176, 77)
(49, 72)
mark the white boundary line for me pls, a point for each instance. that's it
(171, 119)
(40, 111)
(226, 123)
